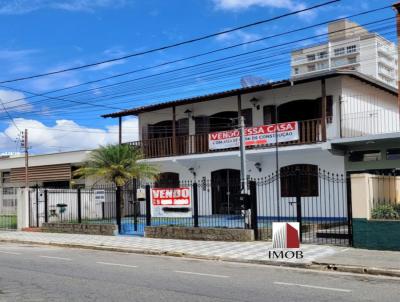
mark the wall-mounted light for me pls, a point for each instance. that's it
(191, 170)
(258, 166)
(189, 113)
(254, 102)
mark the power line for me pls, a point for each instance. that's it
(196, 65)
(205, 53)
(173, 45)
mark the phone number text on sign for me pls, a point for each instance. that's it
(171, 202)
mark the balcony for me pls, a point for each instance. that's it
(309, 133)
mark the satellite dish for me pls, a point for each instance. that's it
(250, 80)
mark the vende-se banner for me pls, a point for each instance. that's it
(261, 135)
(171, 202)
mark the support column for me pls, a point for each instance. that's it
(120, 130)
(323, 109)
(174, 130)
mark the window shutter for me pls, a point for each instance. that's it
(269, 113)
(248, 117)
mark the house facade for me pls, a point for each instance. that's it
(175, 135)
(45, 170)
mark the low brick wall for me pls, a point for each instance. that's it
(376, 234)
(191, 233)
(77, 228)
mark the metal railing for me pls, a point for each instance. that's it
(309, 133)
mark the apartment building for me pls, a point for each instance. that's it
(349, 47)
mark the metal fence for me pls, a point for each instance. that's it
(384, 193)
(8, 208)
(317, 199)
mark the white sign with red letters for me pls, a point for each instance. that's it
(261, 135)
(171, 202)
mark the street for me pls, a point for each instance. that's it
(44, 273)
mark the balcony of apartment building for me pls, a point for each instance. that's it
(172, 137)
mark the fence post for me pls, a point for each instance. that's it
(298, 201)
(253, 207)
(148, 206)
(37, 206)
(349, 211)
(195, 206)
(45, 207)
(118, 207)
(79, 205)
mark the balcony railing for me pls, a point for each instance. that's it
(309, 133)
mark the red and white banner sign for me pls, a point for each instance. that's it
(261, 135)
(171, 202)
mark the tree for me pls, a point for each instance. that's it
(117, 164)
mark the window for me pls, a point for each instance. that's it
(322, 65)
(9, 203)
(370, 155)
(167, 180)
(311, 68)
(393, 154)
(322, 55)
(352, 60)
(296, 70)
(308, 178)
(9, 191)
(351, 49)
(6, 177)
(339, 51)
(311, 57)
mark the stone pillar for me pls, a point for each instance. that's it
(361, 198)
(22, 208)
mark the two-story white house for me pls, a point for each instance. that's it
(174, 135)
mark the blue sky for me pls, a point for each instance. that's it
(38, 36)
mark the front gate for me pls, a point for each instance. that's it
(319, 200)
(8, 208)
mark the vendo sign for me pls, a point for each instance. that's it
(261, 135)
(171, 202)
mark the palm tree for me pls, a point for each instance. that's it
(117, 164)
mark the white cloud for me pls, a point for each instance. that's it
(237, 5)
(244, 4)
(66, 135)
(18, 7)
(238, 36)
(13, 101)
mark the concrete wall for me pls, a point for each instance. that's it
(369, 190)
(376, 234)
(371, 233)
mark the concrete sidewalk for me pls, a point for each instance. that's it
(320, 257)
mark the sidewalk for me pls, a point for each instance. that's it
(321, 257)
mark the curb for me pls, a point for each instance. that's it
(320, 266)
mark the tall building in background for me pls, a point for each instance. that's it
(349, 47)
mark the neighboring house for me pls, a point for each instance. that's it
(349, 47)
(174, 135)
(45, 170)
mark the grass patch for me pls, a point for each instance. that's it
(8, 221)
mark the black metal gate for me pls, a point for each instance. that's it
(319, 200)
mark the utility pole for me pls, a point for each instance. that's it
(25, 146)
(243, 169)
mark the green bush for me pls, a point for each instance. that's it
(397, 208)
(385, 211)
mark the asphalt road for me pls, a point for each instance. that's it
(43, 273)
